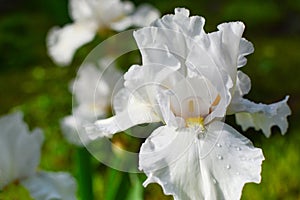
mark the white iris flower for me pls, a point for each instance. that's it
(190, 80)
(90, 17)
(92, 92)
(20, 153)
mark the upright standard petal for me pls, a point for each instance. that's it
(177, 36)
(20, 149)
(170, 38)
(62, 43)
(213, 166)
(223, 47)
(51, 185)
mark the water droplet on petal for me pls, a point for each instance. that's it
(228, 166)
(214, 181)
(219, 145)
(238, 148)
(220, 157)
(200, 135)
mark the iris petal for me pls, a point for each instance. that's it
(20, 149)
(260, 116)
(51, 185)
(214, 167)
(63, 42)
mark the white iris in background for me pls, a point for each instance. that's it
(92, 92)
(90, 17)
(189, 80)
(19, 158)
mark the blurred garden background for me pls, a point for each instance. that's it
(31, 82)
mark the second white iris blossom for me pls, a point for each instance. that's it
(20, 156)
(91, 102)
(190, 80)
(90, 17)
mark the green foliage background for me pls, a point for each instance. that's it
(29, 81)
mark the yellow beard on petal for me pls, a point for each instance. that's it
(194, 121)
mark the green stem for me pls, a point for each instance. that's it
(85, 182)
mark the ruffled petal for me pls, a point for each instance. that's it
(181, 39)
(63, 42)
(223, 46)
(245, 49)
(261, 116)
(181, 22)
(20, 149)
(169, 39)
(213, 166)
(218, 55)
(177, 36)
(51, 185)
(243, 85)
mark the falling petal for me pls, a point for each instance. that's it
(172, 159)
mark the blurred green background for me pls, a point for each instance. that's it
(29, 81)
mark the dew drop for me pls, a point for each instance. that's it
(238, 148)
(200, 135)
(220, 157)
(219, 145)
(228, 166)
(214, 181)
